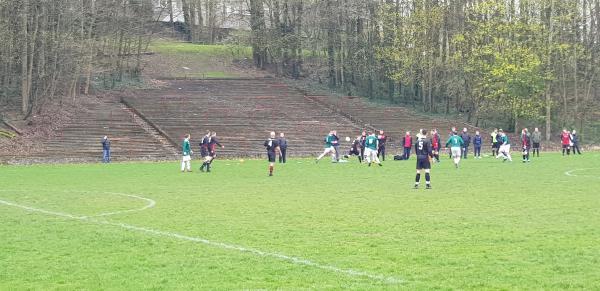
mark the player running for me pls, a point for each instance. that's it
(456, 143)
(329, 149)
(186, 163)
(212, 153)
(204, 152)
(371, 144)
(272, 146)
(423, 150)
(504, 147)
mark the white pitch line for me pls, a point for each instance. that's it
(291, 259)
(151, 203)
(570, 173)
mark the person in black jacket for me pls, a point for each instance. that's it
(212, 151)
(424, 153)
(382, 140)
(363, 140)
(272, 147)
(575, 141)
(282, 147)
(467, 140)
(335, 142)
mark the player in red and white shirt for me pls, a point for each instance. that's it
(565, 139)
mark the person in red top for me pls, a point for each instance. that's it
(435, 143)
(407, 143)
(565, 139)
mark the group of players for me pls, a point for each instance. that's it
(208, 146)
(369, 147)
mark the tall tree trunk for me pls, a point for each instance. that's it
(24, 58)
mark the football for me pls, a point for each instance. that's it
(347, 138)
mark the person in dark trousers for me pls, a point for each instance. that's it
(575, 142)
(423, 150)
(363, 140)
(335, 142)
(382, 140)
(282, 147)
(536, 139)
(435, 145)
(495, 143)
(565, 139)
(105, 150)
(526, 144)
(355, 149)
(407, 144)
(212, 153)
(272, 146)
(204, 152)
(477, 142)
(467, 142)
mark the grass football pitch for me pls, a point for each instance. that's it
(132, 226)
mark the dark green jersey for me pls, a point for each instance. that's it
(455, 141)
(371, 142)
(186, 147)
(329, 141)
(505, 139)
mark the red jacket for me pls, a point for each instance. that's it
(407, 141)
(435, 141)
(566, 139)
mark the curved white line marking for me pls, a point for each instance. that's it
(570, 173)
(291, 259)
(151, 203)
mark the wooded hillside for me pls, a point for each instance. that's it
(51, 50)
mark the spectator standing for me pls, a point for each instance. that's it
(382, 140)
(536, 140)
(466, 137)
(282, 148)
(575, 142)
(407, 144)
(477, 142)
(105, 150)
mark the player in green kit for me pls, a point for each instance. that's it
(329, 149)
(456, 143)
(371, 146)
(504, 147)
(187, 154)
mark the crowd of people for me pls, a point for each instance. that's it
(370, 148)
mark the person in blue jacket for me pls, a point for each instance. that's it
(477, 141)
(467, 142)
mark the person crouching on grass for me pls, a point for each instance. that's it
(423, 150)
(273, 150)
(186, 161)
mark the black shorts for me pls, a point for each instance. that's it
(423, 163)
(536, 145)
(496, 145)
(354, 152)
(271, 156)
(203, 152)
(566, 146)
